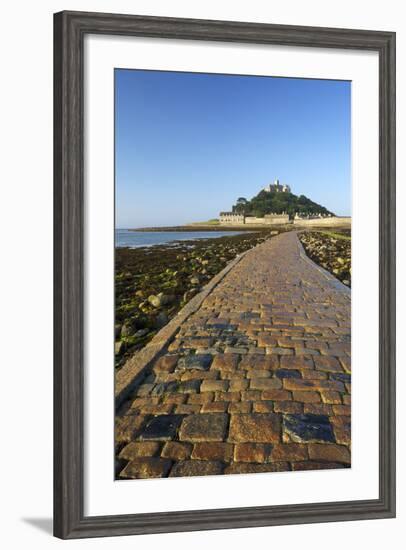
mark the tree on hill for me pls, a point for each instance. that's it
(277, 203)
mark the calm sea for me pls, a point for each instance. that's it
(135, 239)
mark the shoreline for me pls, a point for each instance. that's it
(338, 222)
(171, 238)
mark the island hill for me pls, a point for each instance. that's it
(275, 204)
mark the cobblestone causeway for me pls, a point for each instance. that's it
(258, 379)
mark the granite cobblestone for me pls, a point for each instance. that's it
(257, 380)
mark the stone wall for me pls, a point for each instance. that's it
(269, 220)
(326, 222)
(231, 218)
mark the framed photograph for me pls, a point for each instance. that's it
(224, 274)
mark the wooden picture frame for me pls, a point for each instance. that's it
(70, 29)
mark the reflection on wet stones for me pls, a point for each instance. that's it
(162, 428)
(287, 373)
(308, 427)
(162, 388)
(341, 377)
(196, 362)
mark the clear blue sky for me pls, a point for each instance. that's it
(188, 145)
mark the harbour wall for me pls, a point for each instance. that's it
(324, 222)
(274, 220)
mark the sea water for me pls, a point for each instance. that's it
(136, 239)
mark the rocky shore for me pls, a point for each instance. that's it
(153, 283)
(331, 250)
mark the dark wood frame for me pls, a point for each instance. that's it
(70, 29)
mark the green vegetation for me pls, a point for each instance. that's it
(346, 236)
(277, 203)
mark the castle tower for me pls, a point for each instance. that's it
(276, 187)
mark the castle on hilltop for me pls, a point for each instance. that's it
(276, 187)
(240, 215)
(239, 218)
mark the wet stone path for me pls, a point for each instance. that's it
(256, 380)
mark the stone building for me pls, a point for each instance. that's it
(268, 219)
(231, 218)
(276, 187)
(299, 216)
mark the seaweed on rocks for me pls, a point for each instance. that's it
(331, 250)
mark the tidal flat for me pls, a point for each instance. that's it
(153, 283)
